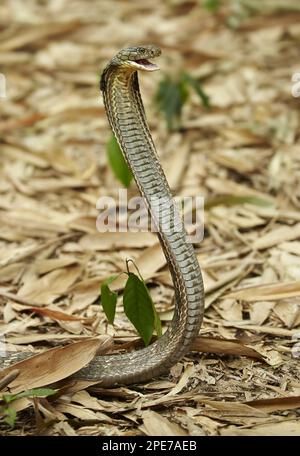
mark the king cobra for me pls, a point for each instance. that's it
(126, 115)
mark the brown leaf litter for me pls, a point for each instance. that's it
(242, 376)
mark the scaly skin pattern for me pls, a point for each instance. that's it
(126, 115)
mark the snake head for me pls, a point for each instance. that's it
(137, 57)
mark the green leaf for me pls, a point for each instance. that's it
(212, 5)
(10, 416)
(173, 94)
(138, 307)
(10, 413)
(117, 162)
(35, 392)
(109, 300)
(170, 98)
(198, 89)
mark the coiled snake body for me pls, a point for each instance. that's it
(125, 111)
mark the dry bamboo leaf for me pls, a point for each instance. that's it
(73, 327)
(230, 309)
(260, 311)
(111, 241)
(177, 163)
(204, 376)
(154, 424)
(272, 357)
(150, 261)
(84, 223)
(291, 247)
(168, 400)
(269, 292)
(189, 371)
(25, 155)
(60, 161)
(49, 412)
(224, 347)
(52, 185)
(228, 187)
(8, 313)
(236, 216)
(21, 122)
(281, 332)
(86, 292)
(85, 399)
(32, 338)
(55, 314)
(16, 254)
(289, 312)
(70, 386)
(227, 277)
(63, 428)
(234, 409)
(20, 253)
(209, 426)
(277, 236)
(277, 403)
(242, 137)
(160, 385)
(15, 57)
(18, 326)
(243, 160)
(288, 427)
(81, 412)
(55, 364)
(50, 264)
(34, 34)
(31, 224)
(50, 286)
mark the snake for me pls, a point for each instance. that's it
(126, 114)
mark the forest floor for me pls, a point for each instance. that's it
(242, 155)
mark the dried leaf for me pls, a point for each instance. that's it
(54, 364)
(287, 427)
(277, 235)
(225, 347)
(155, 424)
(269, 292)
(54, 314)
(277, 403)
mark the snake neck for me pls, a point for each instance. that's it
(127, 118)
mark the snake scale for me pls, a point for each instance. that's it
(125, 111)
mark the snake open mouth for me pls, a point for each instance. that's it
(146, 64)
